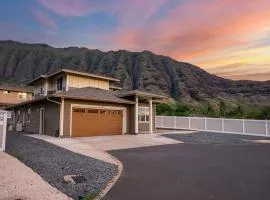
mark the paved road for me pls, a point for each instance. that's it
(194, 172)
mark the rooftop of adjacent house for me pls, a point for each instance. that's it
(75, 72)
(26, 89)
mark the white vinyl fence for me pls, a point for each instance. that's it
(3, 128)
(237, 126)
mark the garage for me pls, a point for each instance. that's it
(96, 122)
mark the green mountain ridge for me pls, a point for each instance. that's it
(21, 62)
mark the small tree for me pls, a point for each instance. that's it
(222, 109)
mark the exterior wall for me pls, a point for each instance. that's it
(12, 97)
(51, 117)
(37, 88)
(67, 113)
(76, 81)
(33, 125)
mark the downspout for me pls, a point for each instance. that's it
(53, 101)
(61, 114)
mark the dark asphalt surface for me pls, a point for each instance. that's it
(215, 138)
(194, 172)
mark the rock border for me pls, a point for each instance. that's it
(110, 185)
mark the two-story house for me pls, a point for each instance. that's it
(10, 95)
(70, 103)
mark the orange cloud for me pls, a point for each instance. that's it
(197, 28)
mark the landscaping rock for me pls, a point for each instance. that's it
(53, 163)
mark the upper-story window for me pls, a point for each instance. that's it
(22, 95)
(59, 83)
(41, 89)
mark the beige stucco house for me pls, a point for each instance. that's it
(10, 95)
(70, 103)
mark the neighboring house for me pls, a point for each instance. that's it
(10, 95)
(70, 103)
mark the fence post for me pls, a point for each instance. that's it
(223, 128)
(174, 122)
(266, 127)
(205, 123)
(189, 124)
(244, 126)
(161, 120)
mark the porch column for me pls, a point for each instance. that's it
(150, 115)
(61, 123)
(136, 115)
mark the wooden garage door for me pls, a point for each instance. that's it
(96, 122)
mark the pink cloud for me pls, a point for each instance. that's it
(45, 20)
(69, 8)
(195, 28)
(126, 11)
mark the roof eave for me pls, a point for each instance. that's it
(92, 99)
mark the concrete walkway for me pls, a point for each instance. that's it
(96, 146)
(18, 181)
(117, 142)
(78, 146)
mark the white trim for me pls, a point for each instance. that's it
(41, 122)
(67, 83)
(124, 109)
(136, 115)
(61, 123)
(46, 88)
(150, 116)
(3, 147)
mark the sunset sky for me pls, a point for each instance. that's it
(230, 38)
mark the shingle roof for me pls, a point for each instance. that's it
(69, 71)
(92, 94)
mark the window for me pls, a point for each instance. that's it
(59, 84)
(28, 115)
(22, 95)
(41, 89)
(6, 92)
(143, 114)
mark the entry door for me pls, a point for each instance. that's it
(41, 122)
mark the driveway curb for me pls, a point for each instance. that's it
(113, 181)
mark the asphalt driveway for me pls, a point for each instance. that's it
(194, 170)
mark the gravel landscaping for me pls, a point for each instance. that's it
(52, 163)
(215, 138)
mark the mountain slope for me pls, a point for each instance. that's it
(137, 70)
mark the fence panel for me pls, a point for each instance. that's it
(242, 126)
(268, 128)
(158, 121)
(168, 122)
(197, 123)
(255, 127)
(233, 126)
(214, 124)
(182, 122)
